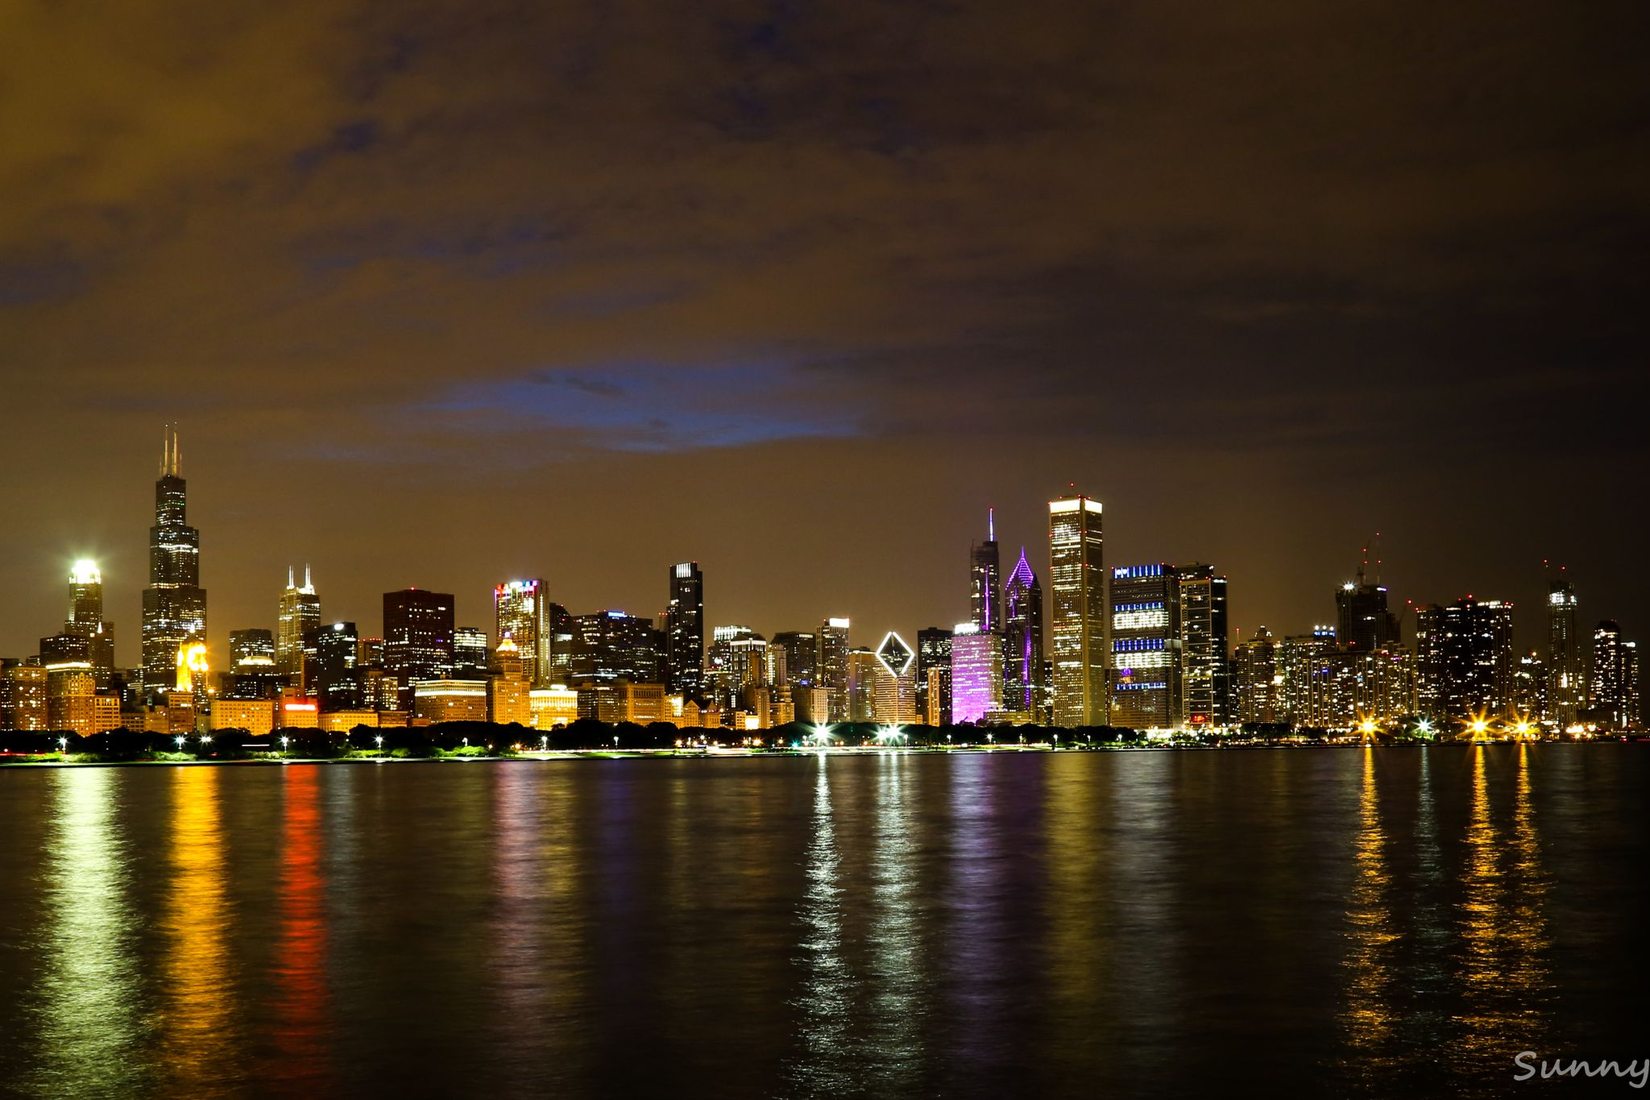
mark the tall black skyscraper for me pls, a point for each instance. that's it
(174, 604)
(934, 654)
(685, 632)
(1023, 685)
(985, 580)
(1363, 623)
(418, 638)
(337, 679)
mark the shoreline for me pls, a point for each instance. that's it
(741, 753)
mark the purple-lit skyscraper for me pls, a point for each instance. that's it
(976, 673)
(1023, 687)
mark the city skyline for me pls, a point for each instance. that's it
(1529, 633)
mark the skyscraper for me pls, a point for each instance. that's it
(470, 657)
(86, 620)
(976, 673)
(1256, 679)
(1077, 581)
(251, 650)
(1145, 673)
(1205, 664)
(1364, 624)
(337, 680)
(418, 638)
(832, 668)
(296, 621)
(984, 576)
(1612, 692)
(521, 613)
(1565, 683)
(1023, 687)
(934, 675)
(174, 604)
(611, 645)
(1464, 662)
(897, 684)
(685, 632)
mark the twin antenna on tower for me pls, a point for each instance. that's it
(170, 460)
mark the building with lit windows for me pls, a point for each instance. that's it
(1024, 690)
(934, 675)
(864, 673)
(1612, 697)
(611, 645)
(509, 697)
(684, 624)
(1255, 679)
(801, 650)
(832, 668)
(255, 716)
(470, 657)
(297, 618)
(1464, 662)
(1363, 622)
(553, 706)
(418, 638)
(896, 692)
(1205, 661)
(1145, 646)
(86, 621)
(337, 678)
(985, 596)
(1566, 686)
(174, 603)
(521, 613)
(22, 696)
(1307, 679)
(1078, 616)
(251, 650)
(622, 701)
(450, 700)
(976, 674)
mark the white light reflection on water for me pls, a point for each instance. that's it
(91, 1034)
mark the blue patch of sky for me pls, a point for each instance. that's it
(652, 407)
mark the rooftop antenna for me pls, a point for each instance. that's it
(991, 524)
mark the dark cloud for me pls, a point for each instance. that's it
(796, 288)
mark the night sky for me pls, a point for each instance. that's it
(443, 294)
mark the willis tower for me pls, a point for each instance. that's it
(174, 604)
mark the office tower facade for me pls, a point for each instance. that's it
(1145, 672)
(976, 673)
(1077, 583)
(863, 672)
(1612, 696)
(1566, 687)
(296, 620)
(1306, 687)
(985, 596)
(470, 653)
(174, 603)
(86, 620)
(801, 650)
(509, 691)
(337, 676)
(418, 638)
(1363, 622)
(1530, 686)
(934, 675)
(685, 631)
(611, 645)
(727, 671)
(1205, 662)
(832, 667)
(896, 701)
(251, 650)
(561, 646)
(521, 613)
(1255, 679)
(23, 703)
(1023, 665)
(1464, 662)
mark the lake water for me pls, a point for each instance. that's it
(1294, 922)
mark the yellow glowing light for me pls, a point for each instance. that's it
(85, 571)
(191, 664)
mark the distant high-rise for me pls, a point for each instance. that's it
(864, 673)
(984, 577)
(1464, 662)
(1611, 696)
(611, 646)
(897, 683)
(1023, 665)
(521, 613)
(1566, 685)
(337, 679)
(1205, 664)
(418, 638)
(1364, 624)
(1077, 583)
(174, 604)
(470, 654)
(86, 620)
(832, 667)
(976, 673)
(934, 675)
(296, 620)
(1145, 672)
(685, 632)
(1255, 673)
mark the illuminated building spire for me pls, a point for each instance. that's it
(171, 462)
